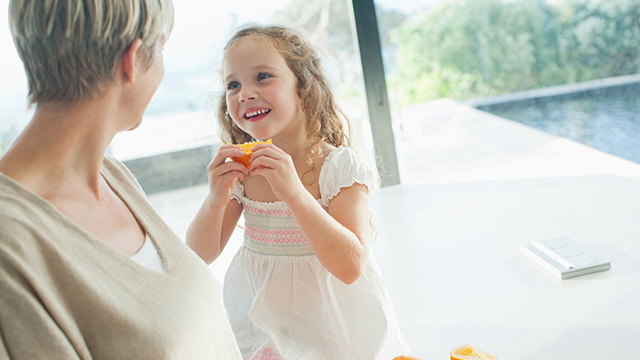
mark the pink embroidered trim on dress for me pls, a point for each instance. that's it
(273, 232)
(273, 236)
(271, 229)
(269, 212)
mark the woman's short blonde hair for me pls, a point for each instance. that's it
(71, 48)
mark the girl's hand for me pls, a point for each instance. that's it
(223, 173)
(277, 167)
(213, 225)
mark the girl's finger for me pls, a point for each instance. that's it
(274, 153)
(263, 162)
(230, 176)
(231, 150)
(226, 152)
(226, 167)
(262, 146)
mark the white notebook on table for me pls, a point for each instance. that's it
(564, 257)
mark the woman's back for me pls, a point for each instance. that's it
(87, 300)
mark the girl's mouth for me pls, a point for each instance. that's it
(255, 115)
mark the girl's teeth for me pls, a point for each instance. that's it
(254, 113)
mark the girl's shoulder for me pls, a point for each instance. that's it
(342, 168)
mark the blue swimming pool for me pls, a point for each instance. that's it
(605, 119)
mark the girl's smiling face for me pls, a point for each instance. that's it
(261, 91)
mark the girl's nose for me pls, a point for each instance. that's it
(247, 94)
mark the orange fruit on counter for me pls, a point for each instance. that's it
(248, 150)
(405, 358)
(466, 352)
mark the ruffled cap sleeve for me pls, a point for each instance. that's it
(237, 192)
(343, 168)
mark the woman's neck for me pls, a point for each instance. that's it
(61, 148)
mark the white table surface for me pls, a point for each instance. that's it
(450, 251)
(450, 254)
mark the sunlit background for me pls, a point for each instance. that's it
(192, 58)
(569, 68)
(463, 50)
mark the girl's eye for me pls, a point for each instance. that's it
(233, 85)
(263, 76)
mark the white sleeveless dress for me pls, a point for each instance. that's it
(283, 304)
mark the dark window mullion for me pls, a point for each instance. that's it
(368, 39)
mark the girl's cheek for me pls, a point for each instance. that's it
(230, 108)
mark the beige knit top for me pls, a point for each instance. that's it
(65, 294)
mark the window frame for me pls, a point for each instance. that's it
(365, 24)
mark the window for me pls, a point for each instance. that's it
(567, 67)
(178, 131)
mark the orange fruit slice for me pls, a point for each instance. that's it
(247, 148)
(405, 358)
(466, 351)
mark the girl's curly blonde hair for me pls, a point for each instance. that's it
(324, 119)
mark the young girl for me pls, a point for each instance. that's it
(304, 285)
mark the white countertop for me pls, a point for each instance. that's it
(450, 254)
(476, 187)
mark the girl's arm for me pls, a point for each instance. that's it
(212, 227)
(214, 223)
(339, 238)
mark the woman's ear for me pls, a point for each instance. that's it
(130, 62)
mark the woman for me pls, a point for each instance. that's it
(87, 269)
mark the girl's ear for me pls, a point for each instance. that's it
(130, 63)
